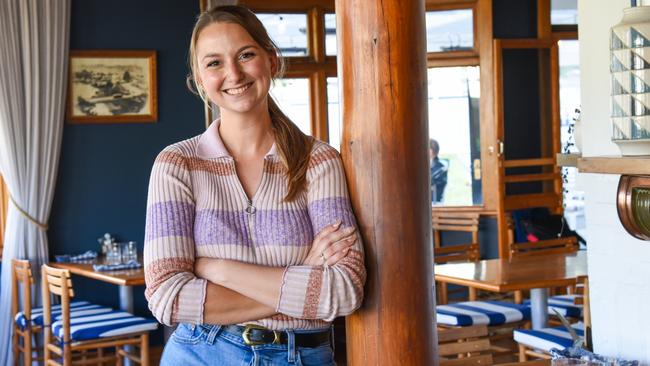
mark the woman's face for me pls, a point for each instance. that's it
(234, 70)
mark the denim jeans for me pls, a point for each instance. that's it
(193, 345)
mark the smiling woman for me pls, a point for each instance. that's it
(250, 236)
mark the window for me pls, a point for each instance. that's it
(574, 200)
(450, 30)
(453, 94)
(333, 113)
(288, 31)
(454, 89)
(564, 12)
(305, 33)
(292, 96)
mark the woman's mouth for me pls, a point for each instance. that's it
(238, 90)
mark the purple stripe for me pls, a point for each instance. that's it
(218, 227)
(326, 211)
(169, 219)
(283, 228)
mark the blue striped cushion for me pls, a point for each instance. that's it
(564, 304)
(481, 312)
(77, 308)
(547, 338)
(104, 325)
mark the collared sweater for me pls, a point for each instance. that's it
(197, 207)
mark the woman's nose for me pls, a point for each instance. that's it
(234, 72)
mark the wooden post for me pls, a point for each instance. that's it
(382, 67)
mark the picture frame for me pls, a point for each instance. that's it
(112, 86)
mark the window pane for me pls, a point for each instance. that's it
(454, 94)
(288, 31)
(574, 199)
(335, 128)
(292, 96)
(330, 34)
(450, 30)
(564, 11)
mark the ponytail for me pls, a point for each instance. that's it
(294, 147)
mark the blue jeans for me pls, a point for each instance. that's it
(193, 345)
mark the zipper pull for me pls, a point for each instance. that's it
(250, 209)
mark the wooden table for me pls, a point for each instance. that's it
(536, 274)
(125, 279)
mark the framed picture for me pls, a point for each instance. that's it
(112, 86)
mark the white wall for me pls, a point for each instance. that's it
(619, 265)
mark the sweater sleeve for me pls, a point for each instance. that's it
(174, 293)
(316, 292)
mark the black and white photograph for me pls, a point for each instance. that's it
(112, 86)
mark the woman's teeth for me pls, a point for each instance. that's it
(236, 91)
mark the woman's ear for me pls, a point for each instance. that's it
(273, 58)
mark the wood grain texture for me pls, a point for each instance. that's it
(130, 277)
(382, 70)
(503, 275)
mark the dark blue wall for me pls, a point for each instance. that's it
(104, 168)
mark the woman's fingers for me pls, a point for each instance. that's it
(337, 257)
(338, 250)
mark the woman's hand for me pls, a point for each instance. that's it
(330, 245)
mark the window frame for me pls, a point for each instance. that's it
(480, 56)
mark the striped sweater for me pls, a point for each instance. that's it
(197, 208)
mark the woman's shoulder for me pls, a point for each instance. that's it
(322, 148)
(322, 152)
(185, 148)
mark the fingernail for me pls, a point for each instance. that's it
(337, 223)
(349, 229)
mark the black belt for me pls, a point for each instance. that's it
(254, 335)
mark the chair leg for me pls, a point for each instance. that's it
(519, 297)
(100, 355)
(27, 346)
(144, 349)
(119, 361)
(67, 355)
(472, 294)
(522, 353)
(14, 346)
(443, 293)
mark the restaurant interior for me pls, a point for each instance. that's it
(496, 155)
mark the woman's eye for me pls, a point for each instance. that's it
(246, 55)
(213, 63)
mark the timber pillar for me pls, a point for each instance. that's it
(383, 78)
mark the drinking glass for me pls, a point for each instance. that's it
(114, 254)
(129, 252)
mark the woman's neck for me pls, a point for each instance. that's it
(246, 136)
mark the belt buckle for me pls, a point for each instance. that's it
(246, 333)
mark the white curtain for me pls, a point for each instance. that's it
(34, 45)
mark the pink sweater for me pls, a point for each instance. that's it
(197, 208)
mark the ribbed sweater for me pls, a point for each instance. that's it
(197, 207)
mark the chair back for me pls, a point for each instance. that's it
(442, 220)
(464, 345)
(542, 247)
(22, 281)
(56, 282)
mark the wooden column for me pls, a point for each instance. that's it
(382, 71)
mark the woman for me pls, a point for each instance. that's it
(250, 244)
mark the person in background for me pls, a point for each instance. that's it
(438, 173)
(251, 245)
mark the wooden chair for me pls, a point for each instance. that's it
(541, 247)
(537, 343)
(442, 220)
(464, 346)
(23, 327)
(113, 329)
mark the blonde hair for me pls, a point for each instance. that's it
(293, 145)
